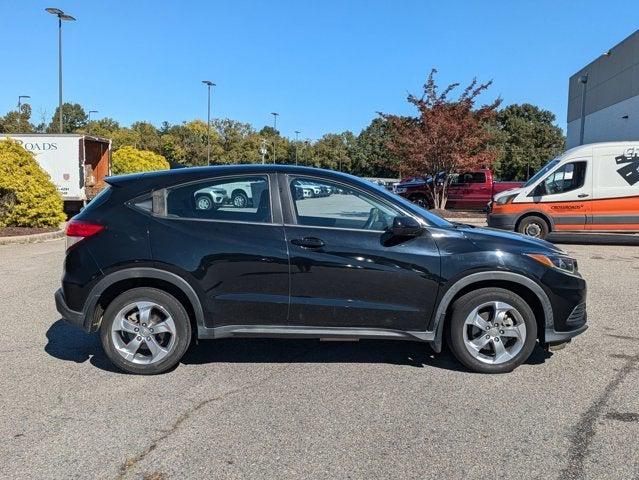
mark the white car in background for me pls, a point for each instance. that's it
(210, 198)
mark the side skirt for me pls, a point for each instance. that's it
(283, 331)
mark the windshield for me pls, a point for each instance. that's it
(541, 172)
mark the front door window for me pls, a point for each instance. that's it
(321, 203)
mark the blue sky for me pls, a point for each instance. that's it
(325, 66)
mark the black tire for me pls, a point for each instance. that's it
(199, 205)
(239, 199)
(535, 227)
(421, 200)
(465, 305)
(166, 301)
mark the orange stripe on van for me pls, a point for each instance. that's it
(628, 206)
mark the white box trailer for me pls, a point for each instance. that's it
(76, 163)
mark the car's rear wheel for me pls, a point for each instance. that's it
(239, 200)
(492, 330)
(533, 227)
(145, 331)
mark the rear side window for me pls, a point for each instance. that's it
(242, 199)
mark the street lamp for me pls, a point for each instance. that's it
(583, 80)
(297, 141)
(20, 97)
(275, 115)
(89, 122)
(208, 84)
(61, 16)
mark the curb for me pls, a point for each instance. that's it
(35, 238)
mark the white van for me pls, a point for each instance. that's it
(592, 187)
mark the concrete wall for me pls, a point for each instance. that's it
(612, 92)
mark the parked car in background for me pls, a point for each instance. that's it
(468, 190)
(592, 187)
(151, 271)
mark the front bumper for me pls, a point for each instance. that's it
(553, 337)
(503, 221)
(73, 317)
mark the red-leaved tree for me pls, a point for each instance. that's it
(446, 135)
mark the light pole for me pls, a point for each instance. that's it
(61, 16)
(583, 80)
(275, 115)
(89, 122)
(297, 141)
(208, 84)
(20, 97)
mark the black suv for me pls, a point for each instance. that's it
(151, 268)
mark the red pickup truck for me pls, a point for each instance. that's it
(469, 190)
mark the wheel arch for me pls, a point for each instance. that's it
(523, 286)
(535, 213)
(118, 282)
(239, 191)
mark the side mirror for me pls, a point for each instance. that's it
(540, 190)
(406, 227)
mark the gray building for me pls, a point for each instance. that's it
(611, 96)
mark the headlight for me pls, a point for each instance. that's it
(506, 199)
(565, 264)
(400, 189)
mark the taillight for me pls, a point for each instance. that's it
(78, 230)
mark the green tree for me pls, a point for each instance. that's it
(17, 121)
(333, 151)
(104, 127)
(527, 138)
(28, 198)
(131, 160)
(372, 157)
(186, 143)
(149, 136)
(73, 118)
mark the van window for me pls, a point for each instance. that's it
(565, 179)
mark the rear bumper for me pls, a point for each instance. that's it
(503, 221)
(73, 317)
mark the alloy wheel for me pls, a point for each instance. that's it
(143, 332)
(494, 332)
(239, 201)
(203, 203)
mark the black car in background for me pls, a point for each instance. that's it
(151, 269)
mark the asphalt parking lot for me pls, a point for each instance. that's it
(307, 409)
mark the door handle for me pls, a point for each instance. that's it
(582, 195)
(308, 242)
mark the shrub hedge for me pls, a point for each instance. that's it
(28, 198)
(132, 160)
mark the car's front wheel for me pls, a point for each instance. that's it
(145, 331)
(492, 330)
